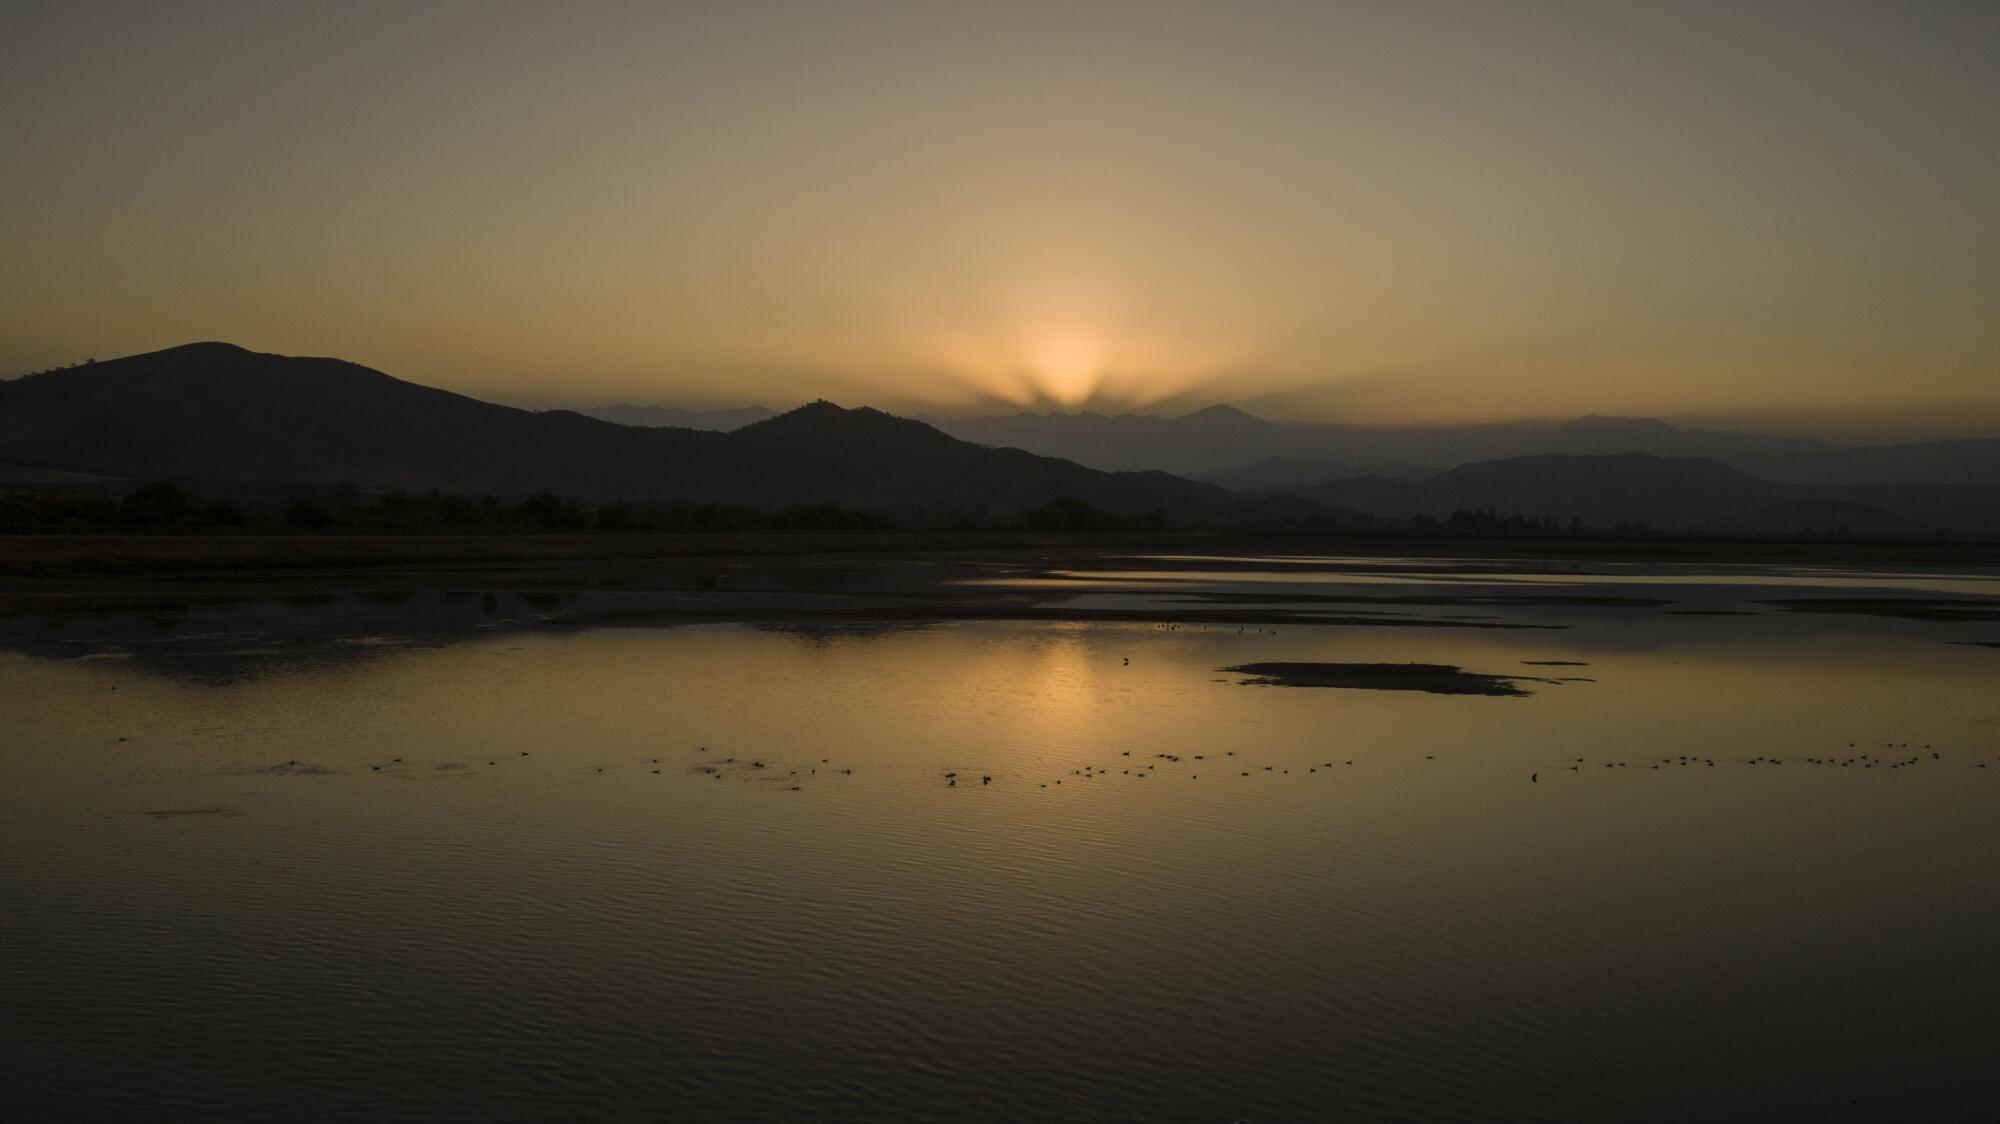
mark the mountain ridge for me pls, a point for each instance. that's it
(1197, 446)
(1680, 493)
(216, 412)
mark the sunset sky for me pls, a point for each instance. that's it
(1779, 216)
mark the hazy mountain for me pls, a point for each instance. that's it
(1601, 490)
(1274, 474)
(1224, 438)
(1211, 439)
(214, 412)
(1661, 492)
(1970, 461)
(660, 417)
(1222, 443)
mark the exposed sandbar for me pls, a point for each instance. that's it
(1435, 678)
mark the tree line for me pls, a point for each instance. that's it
(163, 507)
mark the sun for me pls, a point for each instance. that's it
(1065, 367)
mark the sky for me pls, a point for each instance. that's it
(1780, 216)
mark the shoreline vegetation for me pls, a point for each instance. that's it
(162, 546)
(166, 508)
(41, 572)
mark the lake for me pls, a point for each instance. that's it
(1007, 839)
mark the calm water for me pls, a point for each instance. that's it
(381, 856)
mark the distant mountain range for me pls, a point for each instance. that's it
(215, 413)
(664, 417)
(1227, 445)
(1665, 492)
(1286, 474)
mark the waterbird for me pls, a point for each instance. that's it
(1534, 778)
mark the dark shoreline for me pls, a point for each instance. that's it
(71, 573)
(55, 556)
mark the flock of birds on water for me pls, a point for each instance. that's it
(1851, 761)
(1225, 765)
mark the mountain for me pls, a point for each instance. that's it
(1664, 492)
(1276, 474)
(1222, 442)
(661, 417)
(1966, 461)
(1223, 438)
(215, 413)
(1601, 490)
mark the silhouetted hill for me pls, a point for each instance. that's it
(1968, 461)
(659, 417)
(871, 459)
(1601, 490)
(1214, 443)
(214, 412)
(1224, 437)
(1660, 492)
(1274, 474)
(217, 412)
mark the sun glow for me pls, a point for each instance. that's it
(1065, 368)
